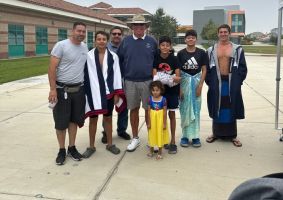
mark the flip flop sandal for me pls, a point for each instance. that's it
(113, 149)
(236, 142)
(88, 152)
(211, 139)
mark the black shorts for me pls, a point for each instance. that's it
(110, 107)
(69, 110)
(172, 101)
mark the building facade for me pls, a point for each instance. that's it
(181, 32)
(231, 15)
(122, 14)
(32, 27)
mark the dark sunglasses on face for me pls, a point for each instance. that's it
(138, 24)
(117, 34)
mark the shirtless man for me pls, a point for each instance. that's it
(226, 72)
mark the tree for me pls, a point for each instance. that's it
(162, 24)
(274, 39)
(209, 32)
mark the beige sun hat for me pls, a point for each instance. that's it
(138, 19)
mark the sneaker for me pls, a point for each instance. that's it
(61, 157)
(196, 142)
(172, 149)
(74, 154)
(104, 138)
(89, 151)
(124, 135)
(184, 142)
(166, 146)
(133, 145)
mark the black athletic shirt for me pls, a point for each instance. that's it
(191, 62)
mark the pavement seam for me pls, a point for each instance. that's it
(26, 195)
(254, 90)
(18, 114)
(23, 88)
(112, 172)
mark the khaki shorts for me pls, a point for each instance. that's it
(137, 92)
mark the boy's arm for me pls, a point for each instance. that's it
(54, 61)
(203, 75)
(177, 78)
(164, 117)
(154, 72)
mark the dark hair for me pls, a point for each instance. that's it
(224, 26)
(78, 23)
(116, 27)
(157, 84)
(101, 33)
(165, 39)
(191, 32)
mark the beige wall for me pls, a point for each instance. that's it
(3, 39)
(32, 19)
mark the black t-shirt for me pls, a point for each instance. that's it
(191, 62)
(167, 65)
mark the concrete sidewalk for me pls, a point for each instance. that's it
(28, 148)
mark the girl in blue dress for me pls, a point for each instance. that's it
(157, 119)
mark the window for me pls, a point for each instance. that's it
(41, 35)
(15, 34)
(16, 40)
(62, 34)
(90, 40)
(238, 23)
(41, 40)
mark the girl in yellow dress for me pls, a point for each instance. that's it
(157, 119)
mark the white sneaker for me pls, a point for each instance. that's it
(133, 145)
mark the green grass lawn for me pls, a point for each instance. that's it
(257, 49)
(16, 69)
(261, 49)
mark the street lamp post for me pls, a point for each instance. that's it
(278, 66)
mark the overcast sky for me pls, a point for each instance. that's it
(261, 15)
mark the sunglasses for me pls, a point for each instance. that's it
(139, 24)
(116, 34)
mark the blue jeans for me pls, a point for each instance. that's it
(122, 122)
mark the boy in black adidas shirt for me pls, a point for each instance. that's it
(167, 63)
(193, 71)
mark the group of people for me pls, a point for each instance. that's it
(123, 73)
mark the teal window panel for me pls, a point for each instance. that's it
(90, 40)
(62, 34)
(16, 40)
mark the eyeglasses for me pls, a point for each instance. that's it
(116, 34)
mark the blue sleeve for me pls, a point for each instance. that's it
(120, 53)
(155, 62)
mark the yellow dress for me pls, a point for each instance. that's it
(157, 136)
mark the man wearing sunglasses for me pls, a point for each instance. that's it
(116, 34)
